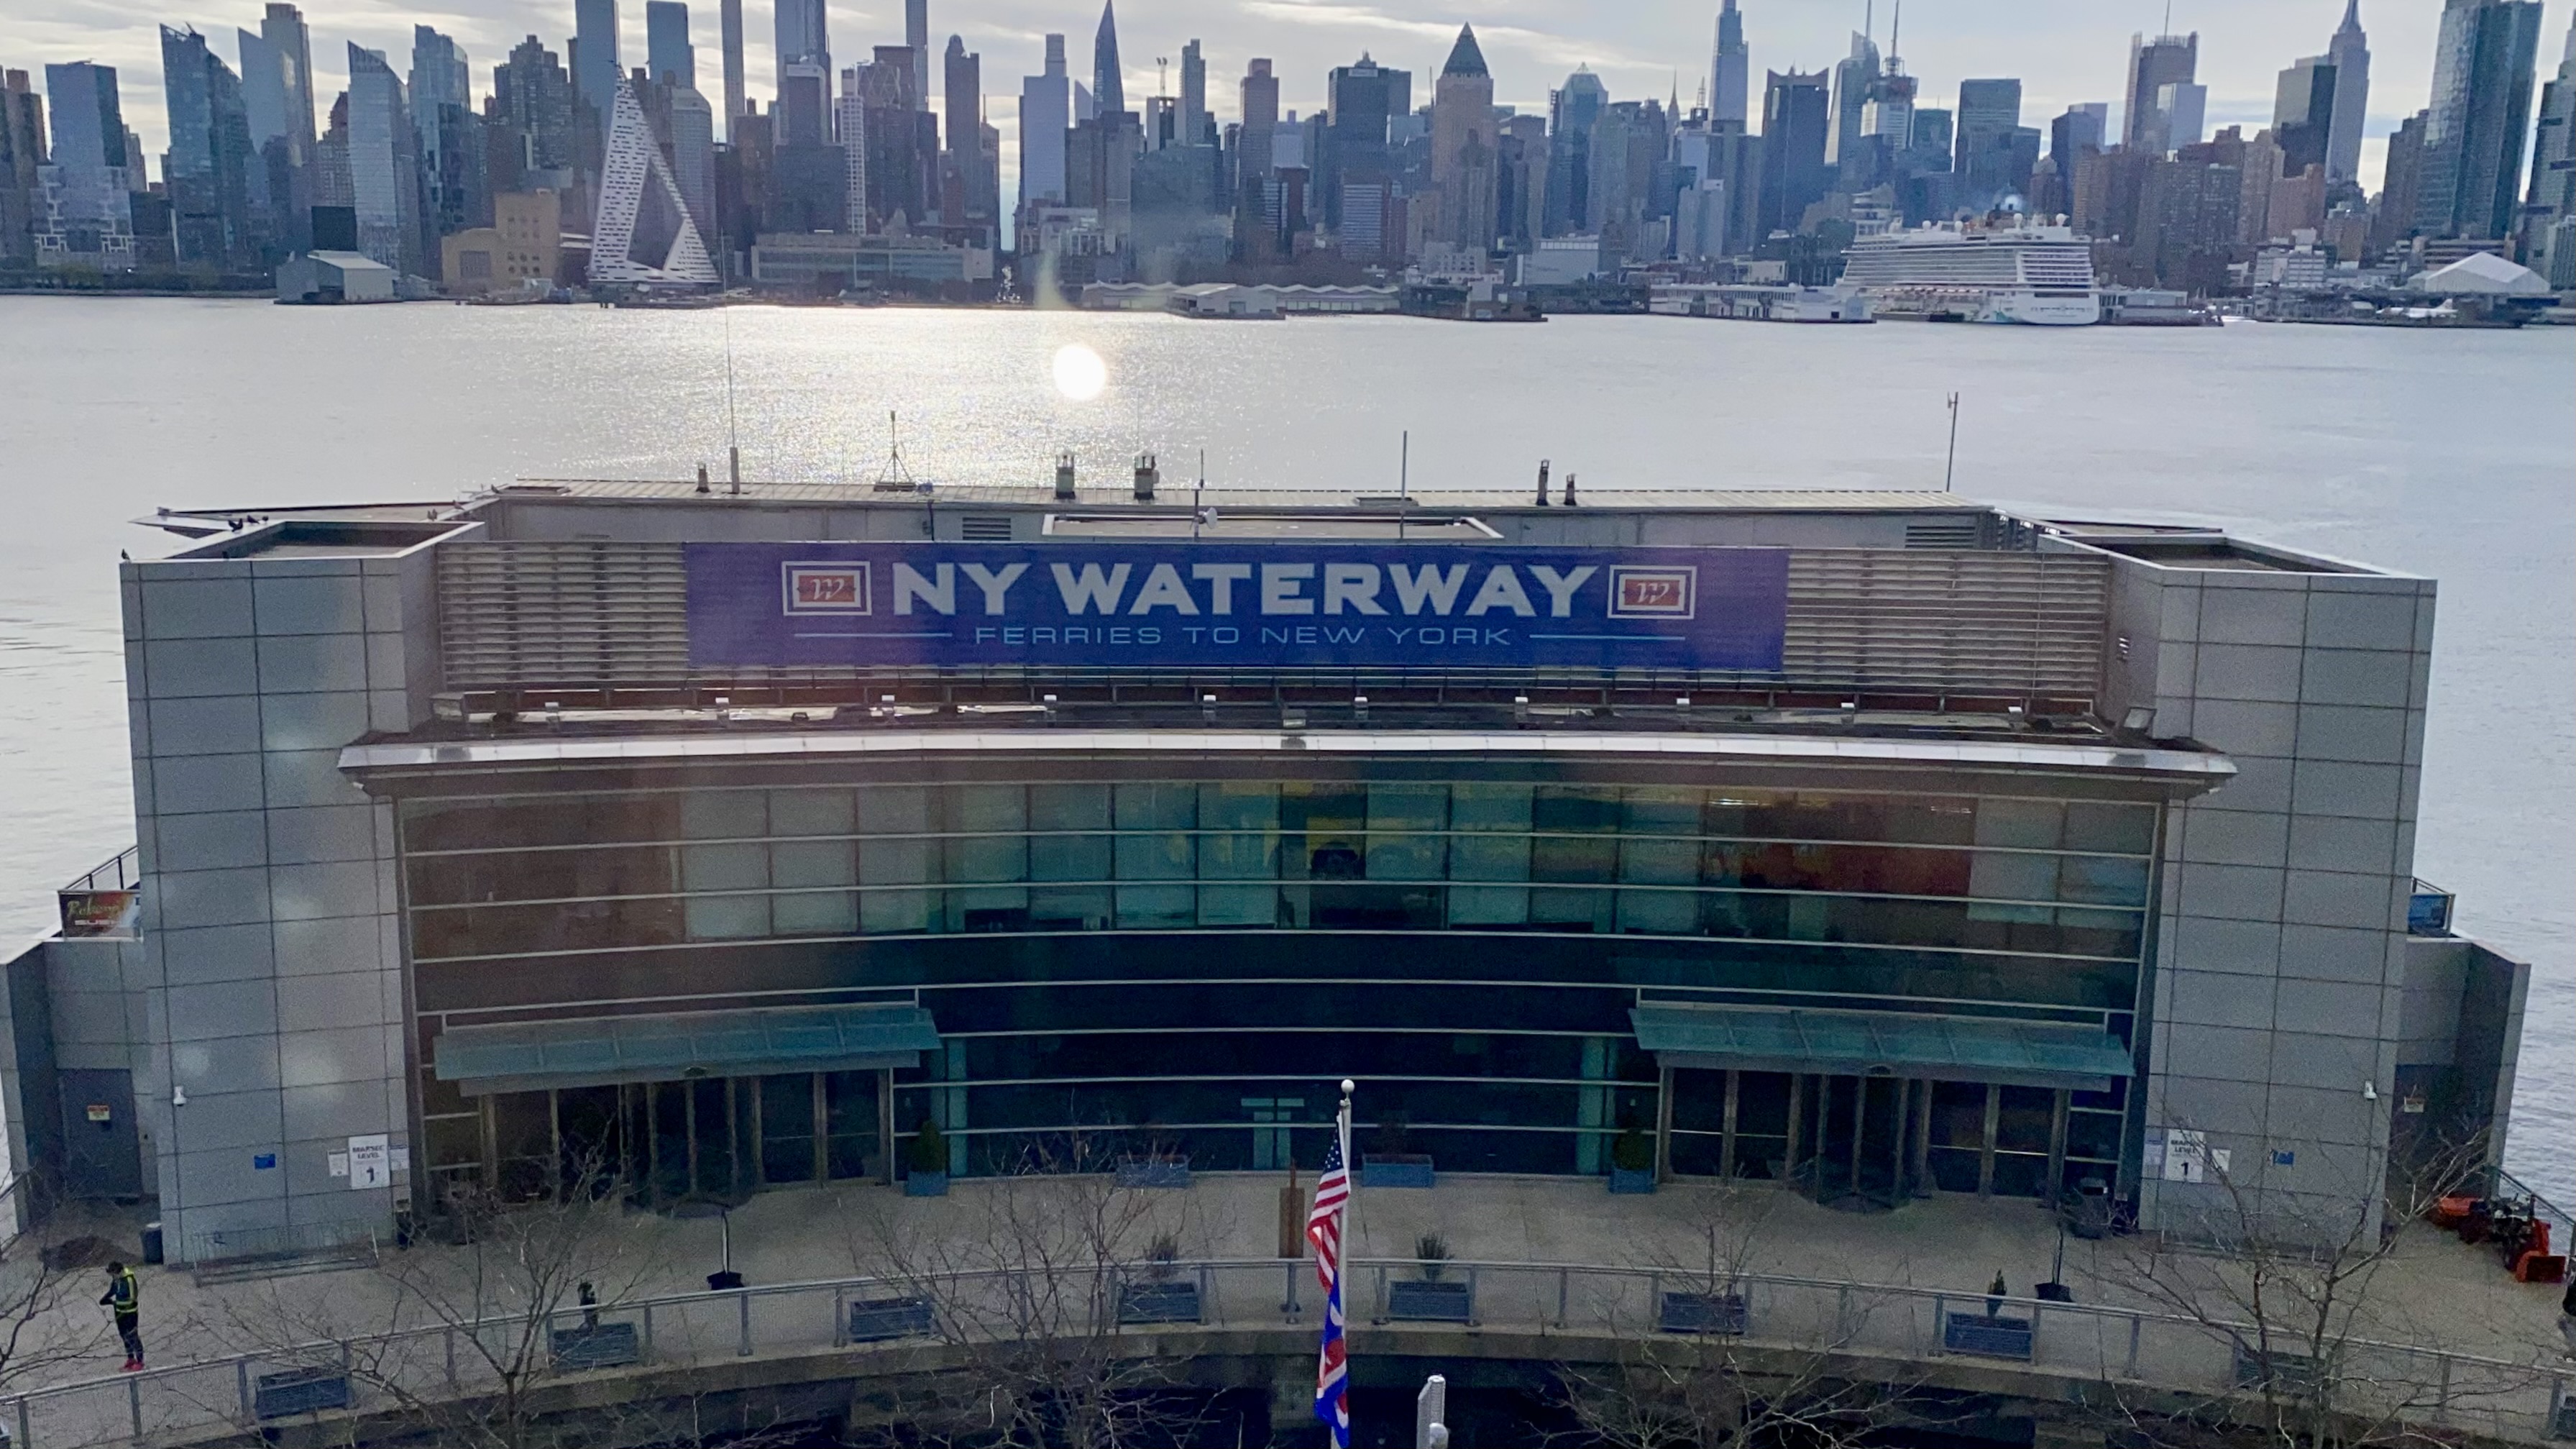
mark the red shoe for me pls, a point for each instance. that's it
(133, 1365)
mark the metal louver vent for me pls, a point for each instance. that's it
(534, 614)
(985, 528)
(1947, 533)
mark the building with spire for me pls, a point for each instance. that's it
(643, 235)
(1463, 154)
(2148, 111)
(1729, 70)
(2349, 51)
(1108, 88)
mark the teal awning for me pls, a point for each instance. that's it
(592, 1051)
(1882, 1044)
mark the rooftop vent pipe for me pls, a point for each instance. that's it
(1064, 477)
(1147, 475)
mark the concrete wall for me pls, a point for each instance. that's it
(269, 981)
(2279, 969)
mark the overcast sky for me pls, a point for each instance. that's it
(2064, 51)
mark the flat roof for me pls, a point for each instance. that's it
(1112, 488)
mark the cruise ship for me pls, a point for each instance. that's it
(2036, 274)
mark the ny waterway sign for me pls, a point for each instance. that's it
(1223, 605)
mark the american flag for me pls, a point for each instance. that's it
(1324, 1230)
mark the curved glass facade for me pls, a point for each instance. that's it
(1189, 964)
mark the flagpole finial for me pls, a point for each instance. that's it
(1349, 1086)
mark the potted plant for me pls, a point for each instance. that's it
(1434, 1297)
(1632, 1161)
(1393, 1162)
(927, 1159)
(1162, 1296)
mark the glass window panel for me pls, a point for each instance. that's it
(1659, 862)
(1575, 807)
(787, 1128)
(1660, 811)
(1659, 912)
(1070, 857)
(1156, 908)
(894, 810)
(2000, 875)
(724, 814)
(2101, 825)
(1575, 859)
(1404, 823)
(1239, 805)
(819, 913)
(1488, 905)
(812, 812)
(1068, 807)
(1157, 805)
(1238, 857)
(1239, 905)
(887, 913)
(2035, 824)
(1489, 857)
(991, 908)
(1563, 910)
(2102, 881)
(1487, 807)
(1082, 908)
(1164, 855)
(725, 868)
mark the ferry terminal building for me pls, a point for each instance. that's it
(1880, 844)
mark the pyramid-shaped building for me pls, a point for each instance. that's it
(643, 234)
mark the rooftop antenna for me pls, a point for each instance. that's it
(897, 478)
(1950, 468)
(2168, 17)
(1404, 464)
(1894, 27)
(733, 428)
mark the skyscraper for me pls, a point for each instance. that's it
(2153, 65)
(2303, 112)
(1796, 114)
(1359, 101)
(532, 104)
(384, 163)
(209, 175)
(1989, 113)
(643, 234)
(1046, 112)
(668, 55)
(1108, 85)
(803, 113)
(22, 152)
(1198, 127)
(693, 153)
(916, 35)
(962, 98)
(736, 98)
(1571, 111)
(1463, 155)
(2549, 212)
(88, 207)
(2349, 51)
(1729, 70)
(442, 112)
(2480, 118)
(596, 74)
(1854, 75)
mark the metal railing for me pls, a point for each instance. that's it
(124, 872)
(1584, 1308)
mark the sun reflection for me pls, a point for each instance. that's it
(1079, 372)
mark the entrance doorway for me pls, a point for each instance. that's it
(1860, 1139)
(720, 1138)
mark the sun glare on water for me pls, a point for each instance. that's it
(1079, 372)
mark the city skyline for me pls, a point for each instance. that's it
(2061, 59)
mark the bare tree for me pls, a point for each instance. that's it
(463, 1339)
(46, 1287)
(1715, 1368)
(2297, 1293)
(1029, 1279)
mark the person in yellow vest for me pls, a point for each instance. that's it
(124, 1299)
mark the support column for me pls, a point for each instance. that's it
(554, 1144)
(1860, 1119)
(1663, 1124)
(2057, 1142)
(1986, 1147)
(491, 1144)
(1923, 1144)
(1898, 1140)
(1726, 1138)
(1794, 1153)
(885, 1126)
(822, 1129)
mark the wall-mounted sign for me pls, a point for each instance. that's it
(1218, 605)
(99, 1112)
(370, 1161)
(263, 1161)
(101, 913)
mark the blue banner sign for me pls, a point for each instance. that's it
(1225, 605)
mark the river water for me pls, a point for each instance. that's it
(2446, 454)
